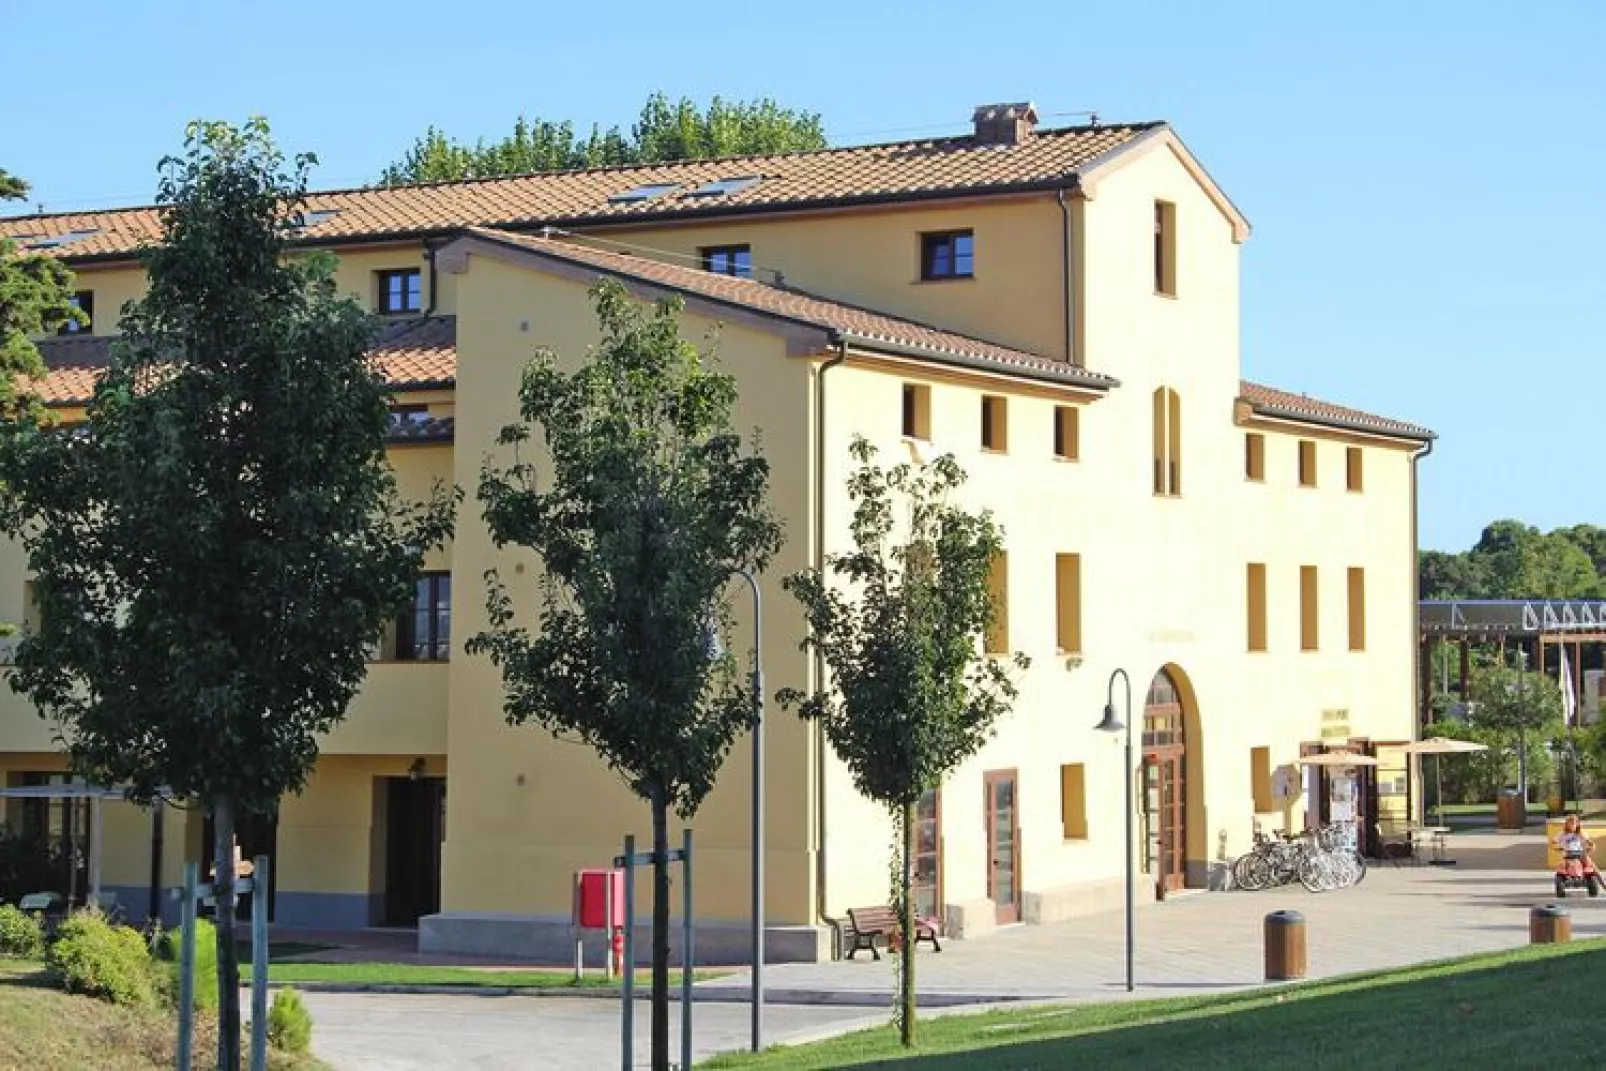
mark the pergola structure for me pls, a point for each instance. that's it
(1536, 627)
(96, 795)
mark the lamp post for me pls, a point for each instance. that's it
(758, 802)
(1112, 724)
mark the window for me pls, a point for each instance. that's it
(400, 291)
(1357, 609)
(729, 260)
(916, 411)
(84, 302)
(726, 186)
(1260, 779)
(1354, 478)
(1073, 801)
(994, 423)
(928, 855)
(1165, 248)
(1067, 432)
(947, 255)
(1309, 632)
(1254, 456)
(1068, 603)
(1167, 442)
(1255, 595)
(997, 638)
(645, 192)
(1307, 463)
(424, 631)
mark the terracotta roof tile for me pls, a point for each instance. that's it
(414, 354)
(897, 171)
(1269, 401)
(863, 326)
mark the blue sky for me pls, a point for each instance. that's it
(1424, 179)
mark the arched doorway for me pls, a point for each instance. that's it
(1166, 784)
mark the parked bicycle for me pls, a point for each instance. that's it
(1321, 860)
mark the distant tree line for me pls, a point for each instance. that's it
(1512, 560)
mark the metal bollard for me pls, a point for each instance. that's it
(1285, 946)
(1549, 924)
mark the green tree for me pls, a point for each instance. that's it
(35, 298)
(650, 501)
(1518, 561)
(1591, 539)
(1445, 575)
(912, 694)
(1523, 705)
(665, 130)
(218, 549)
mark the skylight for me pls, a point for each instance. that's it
(726, 186)
(56, 241)
(644, 193)
(317, 216)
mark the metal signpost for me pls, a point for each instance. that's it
(193, 893)
(627, 1015)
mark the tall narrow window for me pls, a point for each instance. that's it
(1260, 779)
(916, 411)
(84, 302)
(1255, 599)
(1073, 801)
(1167, 442)
(424, 631)
(1307, 463)
(994, 423)
(1254, 456)
(1067, 432)
(729, 260)
(1309, 612)
(997, 640)
(1357, 609)
(1354, 477)
(1165, 248)
(399, 291)
(1068, 603)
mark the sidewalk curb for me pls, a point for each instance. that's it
(847, 998)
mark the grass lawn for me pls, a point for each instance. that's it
(415, 974)
(44, 1029)
(1528, 1008)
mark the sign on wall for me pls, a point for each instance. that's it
(1335, 726)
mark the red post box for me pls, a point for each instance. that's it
(599, 899)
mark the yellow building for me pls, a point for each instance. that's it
(1059, 309)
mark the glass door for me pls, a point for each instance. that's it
(1003, 845)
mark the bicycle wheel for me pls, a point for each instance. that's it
(1360, 867)
(1313, 873)
(1242, 872)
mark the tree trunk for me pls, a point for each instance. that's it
(660, 932)
(228, 964)
(907, 950)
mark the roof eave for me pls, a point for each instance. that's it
(1070, 376)
(1408, 434)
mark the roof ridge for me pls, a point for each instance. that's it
(957, 140)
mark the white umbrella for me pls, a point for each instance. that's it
(1338, 758)
(1441, 745)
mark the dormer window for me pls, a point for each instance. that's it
(84, 302)
(400, 291)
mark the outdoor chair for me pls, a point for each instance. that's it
(1400, 846)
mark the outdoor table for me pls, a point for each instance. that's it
(1437, 835)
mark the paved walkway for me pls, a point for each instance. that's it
(1204, 943)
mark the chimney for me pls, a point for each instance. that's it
(1004, 124)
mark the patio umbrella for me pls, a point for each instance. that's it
(1338, 758)
(1441, 745)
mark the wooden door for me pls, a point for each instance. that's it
(1165, 801)
(1003, 844)
(415, 820)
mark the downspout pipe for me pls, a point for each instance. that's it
(1065, 270)
(434, 278)
(840, 356)
(1416, 592)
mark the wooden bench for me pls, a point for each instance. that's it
(868, 923)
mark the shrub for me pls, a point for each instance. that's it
(21, 934)
(168, 947)
(93, 957)
(289, 1023)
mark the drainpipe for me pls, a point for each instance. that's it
(1416, 592)
(429, 255)
(820, 745)
(1065, 270)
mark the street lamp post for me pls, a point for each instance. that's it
(1112, 724)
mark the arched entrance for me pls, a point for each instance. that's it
(1171, 788)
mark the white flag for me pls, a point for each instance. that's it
(1569, 697)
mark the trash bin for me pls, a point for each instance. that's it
(1549, 924)
(1511, 809)
(1285, 946)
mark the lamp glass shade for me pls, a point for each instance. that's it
(1112, 722)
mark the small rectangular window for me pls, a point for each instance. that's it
(994, 423)
(1068, 603)
(1260, 779)
(424, 629)
(916, 412)
(1165, 248)
(1254, 456)
(1255, 597)
(947, 255)
(1357, 609)
(84, 302)
(1073, 801)
(1067, 432)
(1309, 616)
(734, 260)
(997, 638)
(400, 291)
(1307, 463)
(1354, 477)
